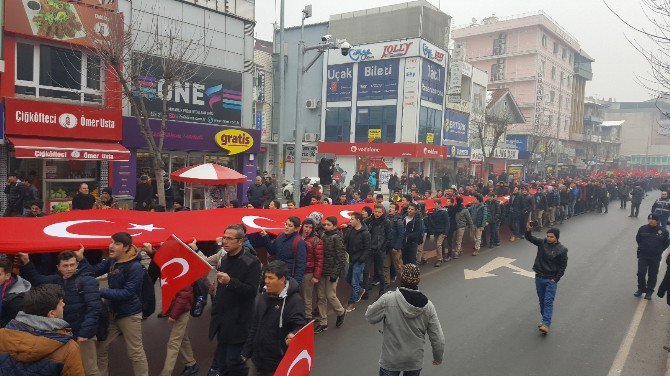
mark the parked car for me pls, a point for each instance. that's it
(287, 187)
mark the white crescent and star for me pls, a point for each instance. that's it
(250, 221)
(304, 354)
(346, 214)
(62, 229)
(177, 260)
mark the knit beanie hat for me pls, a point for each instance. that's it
(409, 274)
(316, 217)
(555, 231)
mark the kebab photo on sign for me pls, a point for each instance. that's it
(54, 19)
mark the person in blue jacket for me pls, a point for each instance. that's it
(290, 248)
(125, 275)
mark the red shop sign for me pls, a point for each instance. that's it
(360, 149)
(50, 119)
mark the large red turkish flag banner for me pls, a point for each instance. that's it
(180, 267)
(299, 357)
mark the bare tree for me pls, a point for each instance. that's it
(488, 132)
(540, 138)
(165, 54)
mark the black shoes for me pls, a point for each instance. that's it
(647, 296)
(340, 320)
(638, 293)
(320, 329)
(190, 371)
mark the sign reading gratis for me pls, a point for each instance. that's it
(234, 141)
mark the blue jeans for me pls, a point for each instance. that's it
(383, 372)
(491, 234)
(355, 279)
(546, 292)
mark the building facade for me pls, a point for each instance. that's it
(263, 100)
(544, 68)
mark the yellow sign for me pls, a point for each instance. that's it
(430, 137)
(234, 141)
(374, 134)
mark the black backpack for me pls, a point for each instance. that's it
(200, 293)
(147, 294)
(103, 317)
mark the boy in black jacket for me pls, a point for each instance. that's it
(440, 223)
(414, 231)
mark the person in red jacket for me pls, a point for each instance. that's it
(179, 344)
(314, 266)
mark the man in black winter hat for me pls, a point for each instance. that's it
(652, 240)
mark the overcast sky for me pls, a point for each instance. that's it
(598, 31)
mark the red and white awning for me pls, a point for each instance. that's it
(208, 174)
(26, 147)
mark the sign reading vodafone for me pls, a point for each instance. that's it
(383, 150)
(58, 120)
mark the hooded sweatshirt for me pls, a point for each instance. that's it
(12, 298)
(407, 316)
(37, 345)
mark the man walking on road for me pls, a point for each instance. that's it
(549, 267)
(652, 240)
(662, 208)
(637, 194)
(407, 315)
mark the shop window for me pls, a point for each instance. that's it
(338, 124)
(430, 126)
(54, 72)
(378, 119)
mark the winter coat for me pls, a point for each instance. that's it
(495, 211)
(397, 232)
(575, 193)
(440, 221)
(541, 202)
(357, 244)
(480, 215)
(414, 230)
(651, 241)
(38, 346)
(144, 196)
(125, 278)
(564, 197)
(256, 194)
(551, 259)
(463, 218)
(82, 298)
(182, 303)
(295, 259)
(12, 298)
(380, 233)
(407, 317)
(662, 209)
(16, 195)
(553, 199)
(637, 194)
(83, 202)
(314, 248)
(274, 318)
(665, 284)
(334, 254)
(233, 306)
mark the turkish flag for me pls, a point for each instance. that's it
(299, 357)
(180, 267)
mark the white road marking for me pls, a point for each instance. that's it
(627, 343)
(496, 263)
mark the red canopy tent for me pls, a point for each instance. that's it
(208, 174)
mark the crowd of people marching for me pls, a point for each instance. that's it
(51, 301)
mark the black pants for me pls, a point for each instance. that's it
(376, 262)
(228, 361)
(409, 253)
(623, 202)
(634, 210)
(647, 272)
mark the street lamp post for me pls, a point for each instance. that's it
(279, 156)
(322, 47)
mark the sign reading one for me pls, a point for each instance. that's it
(49, 119)
(234, 141)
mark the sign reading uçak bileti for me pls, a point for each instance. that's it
(234, 141)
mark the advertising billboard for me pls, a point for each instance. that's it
(432, 82)
(210, 95)
(339, 82)
(455, 126)
(378, 80)
(520, 141)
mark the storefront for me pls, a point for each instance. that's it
(188, 144)
(57, 146)
(384, 159)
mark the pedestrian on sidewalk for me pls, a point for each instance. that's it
(407, 316)
(549, 267)
(652, 239)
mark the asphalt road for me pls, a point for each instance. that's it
(490, 323)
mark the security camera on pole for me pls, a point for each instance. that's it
(326, 44)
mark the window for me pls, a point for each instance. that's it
(544, 63)
(570, 57)
(553, 72)
(544, 40)
(54, 72)
(382, 118)
(430, 123)
(338, 124)
(564, 53)
(552, 95)
(555, 48)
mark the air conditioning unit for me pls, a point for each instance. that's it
(311, 104)
(311, 137)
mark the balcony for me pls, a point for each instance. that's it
(584, 71)
(577, 137)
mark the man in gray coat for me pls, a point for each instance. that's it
(406, 313)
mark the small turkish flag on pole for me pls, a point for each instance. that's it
(180, 267)
(299, 356)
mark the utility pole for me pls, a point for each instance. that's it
(279, 157)
(299, 127)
